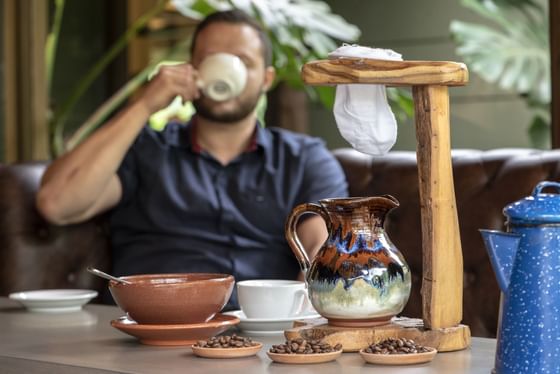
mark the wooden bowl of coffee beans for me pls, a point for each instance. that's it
(397, 351)
(226, 346)
(301, 351)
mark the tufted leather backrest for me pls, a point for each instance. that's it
(35, 254)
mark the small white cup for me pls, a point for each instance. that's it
(222, 76)
(272, 298)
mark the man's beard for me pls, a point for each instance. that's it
(205, 108)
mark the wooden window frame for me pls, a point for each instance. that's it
(554, 22)
(25, 93)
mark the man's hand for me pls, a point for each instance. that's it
(167, 84)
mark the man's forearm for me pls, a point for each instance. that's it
(77, 185)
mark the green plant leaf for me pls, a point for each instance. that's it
(401, 103)
(52, 42)
(513, 55)
(326, 95)
(539, 132)
(319, 43)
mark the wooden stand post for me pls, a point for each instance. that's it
(442, 282)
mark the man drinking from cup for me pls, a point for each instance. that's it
(208, 196)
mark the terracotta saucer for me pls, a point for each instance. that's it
(175, 335)
(399, 359)
(314, 358)
(227, 352)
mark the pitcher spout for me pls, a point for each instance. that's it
(501, 248)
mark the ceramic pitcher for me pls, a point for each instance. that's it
(526, 260)
(358, 277)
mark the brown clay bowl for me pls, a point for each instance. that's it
(173, 298)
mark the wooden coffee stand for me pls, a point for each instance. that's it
(442, 281)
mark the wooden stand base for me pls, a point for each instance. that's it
(355, 338)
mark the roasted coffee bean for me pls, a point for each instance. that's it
(226, 341)
(302, 346)
(394, 346)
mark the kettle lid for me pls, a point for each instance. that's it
(539, 208)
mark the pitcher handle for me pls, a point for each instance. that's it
(291, 234)
(539, 187)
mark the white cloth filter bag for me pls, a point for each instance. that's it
(363, 115)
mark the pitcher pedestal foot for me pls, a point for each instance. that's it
(359, 322)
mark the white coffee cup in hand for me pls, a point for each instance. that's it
(222, 76)
(273, 298)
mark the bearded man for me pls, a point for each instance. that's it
(211, 195)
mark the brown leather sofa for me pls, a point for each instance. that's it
(35, 254)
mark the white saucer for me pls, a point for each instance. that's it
(54, 301)
(268, 326)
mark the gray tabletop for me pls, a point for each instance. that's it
(84, 342)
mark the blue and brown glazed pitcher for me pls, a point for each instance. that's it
(526, 260)
(358, 277)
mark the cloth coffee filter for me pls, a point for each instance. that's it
(363, 115)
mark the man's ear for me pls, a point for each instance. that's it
(269, 76)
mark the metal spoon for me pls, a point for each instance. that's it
(102, 274)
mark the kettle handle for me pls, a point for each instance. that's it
(291, 234)
(539, 187)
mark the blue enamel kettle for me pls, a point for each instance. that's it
(526, 261)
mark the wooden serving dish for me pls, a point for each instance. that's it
(226, 352)
(399, 359)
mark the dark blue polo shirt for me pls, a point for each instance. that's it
(182, 211)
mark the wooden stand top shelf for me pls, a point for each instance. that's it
(391, 73)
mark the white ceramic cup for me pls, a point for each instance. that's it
(272, 298)
(222, 76)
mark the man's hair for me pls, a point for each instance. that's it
(236, 16)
